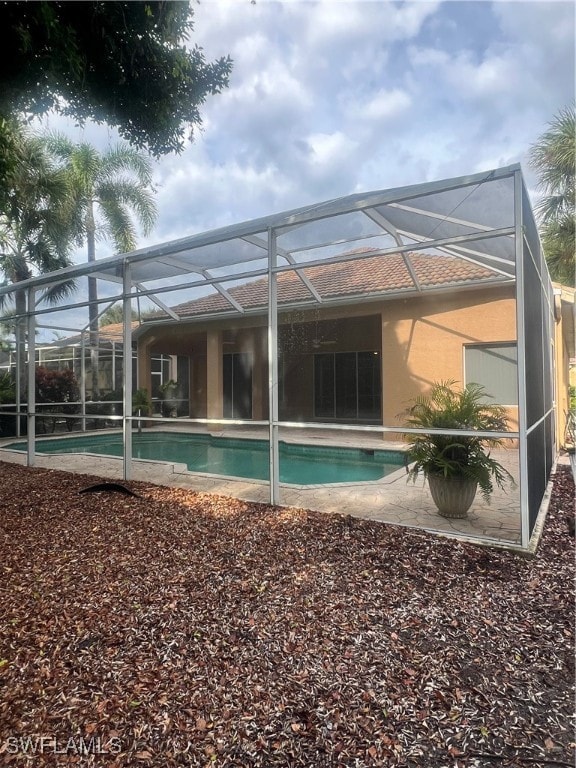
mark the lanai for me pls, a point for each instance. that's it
(483, 219)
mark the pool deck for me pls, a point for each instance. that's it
(393, 499)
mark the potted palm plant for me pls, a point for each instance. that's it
(456, 465)
(169, 395)
(141, 406)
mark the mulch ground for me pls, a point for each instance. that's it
(182, 629)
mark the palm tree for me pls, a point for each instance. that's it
(34, 233)
(553, 157)
(108, 189)
(114, 315)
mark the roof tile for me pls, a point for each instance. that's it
(376, 274)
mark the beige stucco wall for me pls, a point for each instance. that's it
(421, 339)
(204, 344)
(564, 352)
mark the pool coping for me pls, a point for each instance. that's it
(179, 468)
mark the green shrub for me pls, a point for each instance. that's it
(7, 395)
(54, 387)
(447, 407)
(7, 388)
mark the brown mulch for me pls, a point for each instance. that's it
(183, 629)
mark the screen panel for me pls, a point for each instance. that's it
(537, 476)
(533, 321)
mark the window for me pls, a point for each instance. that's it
(347, 386)
(163, 369)
(159, 372)
(495, 367)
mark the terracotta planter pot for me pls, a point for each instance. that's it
(452, 495)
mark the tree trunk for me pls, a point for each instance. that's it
(93, 304)
(20, 335)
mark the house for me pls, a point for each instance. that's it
(358, 361)
(73, 352)
(336, 314)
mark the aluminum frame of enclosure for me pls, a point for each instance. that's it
(483, 219)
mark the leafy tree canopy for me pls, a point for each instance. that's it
(123, 63)
(34, 222)
(114, 315)
(553, 157)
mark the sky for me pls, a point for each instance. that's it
(332, 97)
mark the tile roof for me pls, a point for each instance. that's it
(107, 333)
(371, 275)
(115, 331)
(361, 277)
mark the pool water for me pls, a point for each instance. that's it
(232, 457)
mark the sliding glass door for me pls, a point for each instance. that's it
(348, 386)
(237, 379)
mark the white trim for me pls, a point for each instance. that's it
(31, 378)
(127, 375)
(521, 336)
(273, 370)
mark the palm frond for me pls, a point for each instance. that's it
(119, 225)
(123, 158)
(132, 196)
(56, 293)
(116, 181)
(553, 156)
(448, 407)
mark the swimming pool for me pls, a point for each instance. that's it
(233, 457)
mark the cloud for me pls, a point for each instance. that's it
(328, 148)
(264, 108)
(384, 105)
(466, 79)
(529, 57)
(344, 23)
(328, 98)
(494, 94)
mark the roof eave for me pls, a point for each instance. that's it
(334, 301)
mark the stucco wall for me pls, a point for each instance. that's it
(421, 341)
(563, 338)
